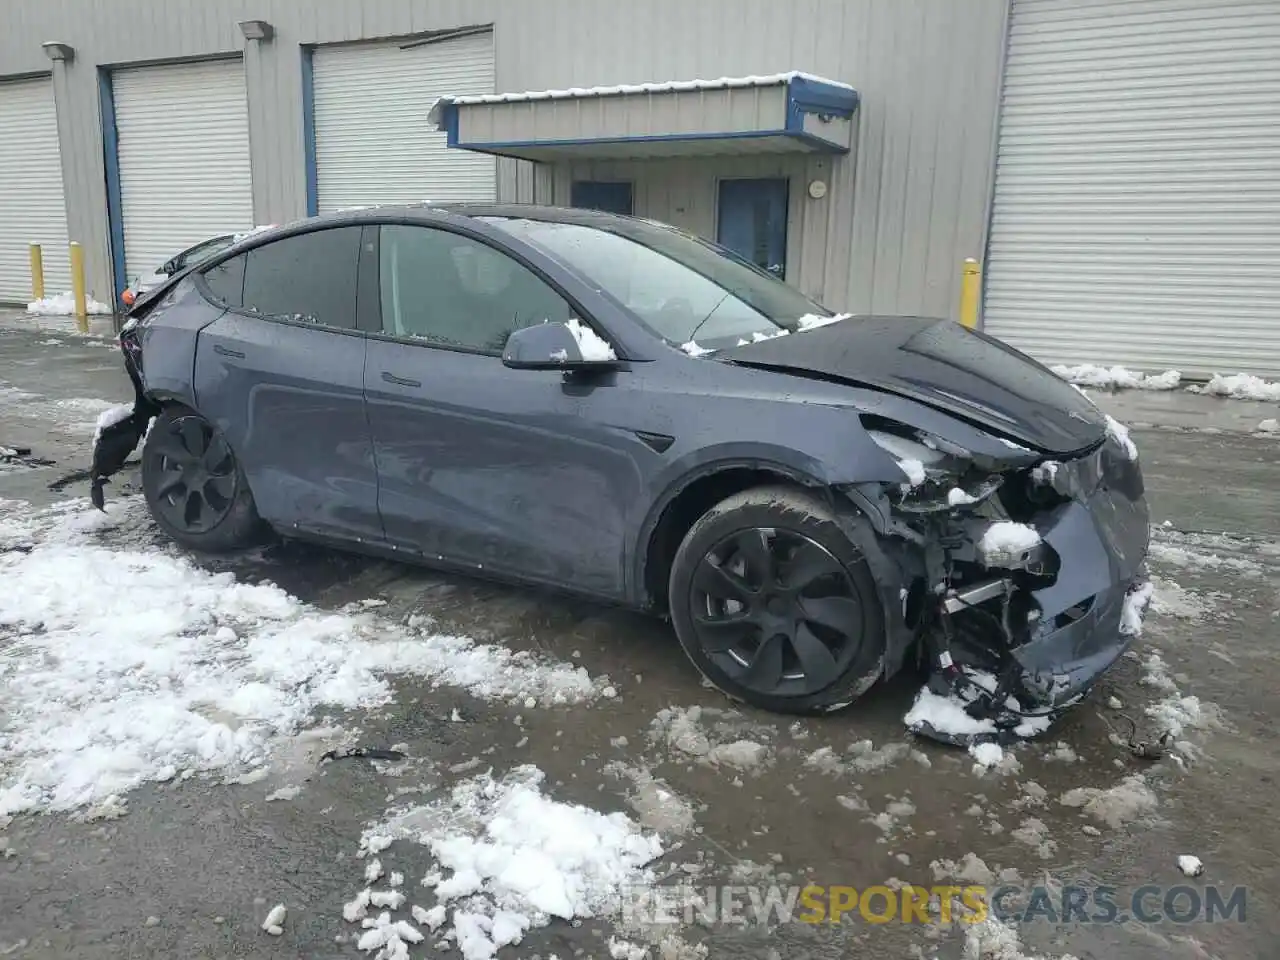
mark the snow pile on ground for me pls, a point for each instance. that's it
(658, 806)
(1115, 806)
(862, 757)
(1170, 599)
(516, 859)
(1270, 425)
(991, 939)
(1190, 866)
(1240, 386)
(694, 350)
(590, 344)
(1006, 541)
(1174, 713)
(985, 755)
(725, 743)
(1117, 378)
(1194, 557)
(64, 305)
(121, 666)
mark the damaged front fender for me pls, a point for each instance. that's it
(1044, 581)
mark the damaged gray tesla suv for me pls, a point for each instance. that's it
(611, 406)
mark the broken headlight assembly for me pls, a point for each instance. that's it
(941, 475)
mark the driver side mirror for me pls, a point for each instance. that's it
(558, 346)
(170, 267)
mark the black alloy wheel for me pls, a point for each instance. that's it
(196, 481)
(776, 612)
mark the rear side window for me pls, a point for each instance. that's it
(309, 278)
(226, 281)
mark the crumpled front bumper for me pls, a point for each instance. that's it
(1067, 609)
(1101, 542)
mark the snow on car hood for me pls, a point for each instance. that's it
(945, 365)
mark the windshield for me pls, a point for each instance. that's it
(682, 288)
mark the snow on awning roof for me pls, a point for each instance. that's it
(781, 112)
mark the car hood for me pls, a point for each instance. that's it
(945, 365)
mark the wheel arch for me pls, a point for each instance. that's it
(685, 500)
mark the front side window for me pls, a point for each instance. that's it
(454, 291)
(679, 286)
(310, 278)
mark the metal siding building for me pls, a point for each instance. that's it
(1114, 163)
(900, 210)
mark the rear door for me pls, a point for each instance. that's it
(282, 374)
(478, 464)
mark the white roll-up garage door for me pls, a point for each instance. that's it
(1136, 215)
(183, 135)
(32, 207)
(373, 142)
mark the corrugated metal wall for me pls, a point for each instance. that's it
(908, 208)
(1137, 205)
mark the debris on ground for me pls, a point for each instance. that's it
(1190, 866)
(22, 456)
(369, 753)
(946, 717)
(274, 923)
(1117, 378)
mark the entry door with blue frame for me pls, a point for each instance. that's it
(752, 221)
(611, 196)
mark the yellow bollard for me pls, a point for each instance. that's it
(77, 287)
(970, 292)
(37, 272)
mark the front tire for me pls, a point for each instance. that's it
(776, 606)
(194, 486)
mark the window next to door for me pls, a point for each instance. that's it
(611, 196)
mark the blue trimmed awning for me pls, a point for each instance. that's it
(783, 113)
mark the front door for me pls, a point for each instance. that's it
(752, 221)
(281, 373)
(478, 464)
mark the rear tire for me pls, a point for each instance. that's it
(194, 486)
(776, 606)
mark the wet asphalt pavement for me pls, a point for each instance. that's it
(208, 861)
